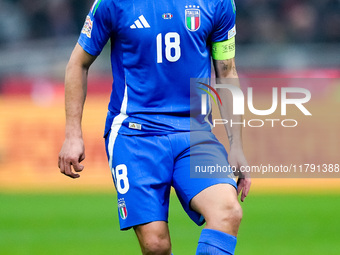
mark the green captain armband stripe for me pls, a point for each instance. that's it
(223, 50)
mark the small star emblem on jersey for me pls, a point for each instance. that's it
(192, 17)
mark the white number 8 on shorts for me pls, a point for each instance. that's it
(122, 182)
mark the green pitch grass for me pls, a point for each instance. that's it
(87, 224)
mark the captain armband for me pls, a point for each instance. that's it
(223, 50)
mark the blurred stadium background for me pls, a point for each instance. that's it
(43, 212)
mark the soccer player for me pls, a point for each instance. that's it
(151, 139)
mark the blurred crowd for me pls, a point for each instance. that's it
(292, 21)
(258, 21)
(38, 19)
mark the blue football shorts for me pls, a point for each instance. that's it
(145, 167)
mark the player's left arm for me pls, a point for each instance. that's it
(227, 69)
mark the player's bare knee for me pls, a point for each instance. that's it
(225, 218)
(156, 245)
(235, 213)
(154, 238)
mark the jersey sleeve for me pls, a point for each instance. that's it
(224, 21)
(97, 28)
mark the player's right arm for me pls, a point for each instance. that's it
(72, 151)
(94, 35)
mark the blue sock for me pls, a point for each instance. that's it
(214, 242)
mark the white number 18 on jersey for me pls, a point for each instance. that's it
(172, 41)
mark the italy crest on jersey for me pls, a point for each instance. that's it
(122, 208)
(192, 19)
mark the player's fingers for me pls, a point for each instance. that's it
(246, 188)
(82, 157)
(61, 166)
(77, 167)
(68, 170)
(243, 195)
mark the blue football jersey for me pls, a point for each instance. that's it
(157, 46)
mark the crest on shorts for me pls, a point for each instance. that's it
(122, 209)
(192, 17)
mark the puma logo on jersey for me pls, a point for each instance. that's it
(140, 23)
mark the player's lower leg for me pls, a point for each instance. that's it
(154, 238)
(222, 212)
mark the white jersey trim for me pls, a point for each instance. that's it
(116, 124)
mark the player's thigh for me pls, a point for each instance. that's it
(140, 170)
(205, 149)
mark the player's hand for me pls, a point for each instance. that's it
(70, 156)
(237, 159)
